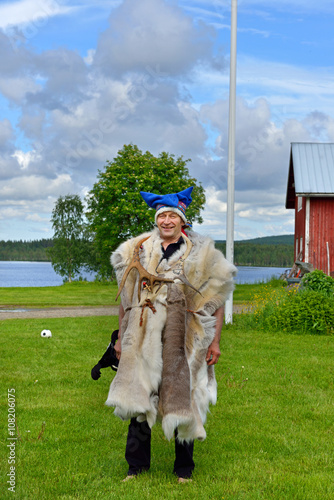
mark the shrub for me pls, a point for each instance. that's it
(303, 311)
(318, 281)
(308, 311)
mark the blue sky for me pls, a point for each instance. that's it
(80, 79)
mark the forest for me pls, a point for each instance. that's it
(25, 250)
(273, 251)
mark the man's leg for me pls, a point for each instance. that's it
(138, 447)
(184, 463)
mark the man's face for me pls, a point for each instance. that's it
(170, 225)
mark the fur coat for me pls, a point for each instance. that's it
(162, 371)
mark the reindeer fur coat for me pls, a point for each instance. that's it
(162, 371)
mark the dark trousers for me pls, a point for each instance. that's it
(138, 451)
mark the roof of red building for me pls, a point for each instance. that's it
(311, 171)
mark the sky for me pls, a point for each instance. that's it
(79, 79)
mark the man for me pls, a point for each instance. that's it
(170, 320)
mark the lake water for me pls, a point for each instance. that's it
(42, 274)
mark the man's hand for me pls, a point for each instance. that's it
(213, 353)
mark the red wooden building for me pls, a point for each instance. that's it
(310, 193)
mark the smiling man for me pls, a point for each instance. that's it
(170, 227)
(170, 321)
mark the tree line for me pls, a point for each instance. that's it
(246, 254)
(25, 250)
(261, 255)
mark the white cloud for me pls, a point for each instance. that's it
(16, 88)
(284, 78)
(37, 218)
(36, 12)
(25, 158)
(35, 187)
(214, 201)
(151, 34)
(89, 59)
(262, 213)
(292, 90)
(10, 213)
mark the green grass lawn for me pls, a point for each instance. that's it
(80, 293)
(270, 436)
(86, 294)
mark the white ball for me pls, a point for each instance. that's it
(46, 333)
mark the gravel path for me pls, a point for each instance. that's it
(57, 312)
(72, 312)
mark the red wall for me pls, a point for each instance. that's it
(322, 231)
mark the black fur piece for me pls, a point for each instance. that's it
(108, 359)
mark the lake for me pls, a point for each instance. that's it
(25, 274)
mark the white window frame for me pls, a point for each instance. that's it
(299, 203)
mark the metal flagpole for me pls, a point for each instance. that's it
(231, 155)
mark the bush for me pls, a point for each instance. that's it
(308, 311)
(318, 281)
(293, 310)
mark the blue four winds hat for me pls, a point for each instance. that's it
(175, 202)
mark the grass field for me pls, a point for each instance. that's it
(80, 293)
(270, 436)
(83, 293)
